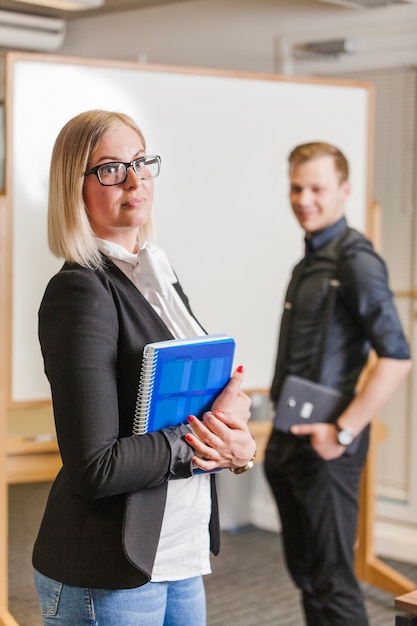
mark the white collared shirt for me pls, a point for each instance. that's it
(184, 543)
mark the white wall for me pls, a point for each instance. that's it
(232, 34)
(246, 34)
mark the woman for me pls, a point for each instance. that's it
(125, 535)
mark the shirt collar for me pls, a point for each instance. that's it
(319, 239)
(114, 251)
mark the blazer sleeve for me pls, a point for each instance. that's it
(82, 333)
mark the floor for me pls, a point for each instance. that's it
(249, 585)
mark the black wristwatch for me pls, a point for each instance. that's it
(345, 436)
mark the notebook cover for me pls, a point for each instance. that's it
(181, 377)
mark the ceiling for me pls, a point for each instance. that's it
(113, 6)
(110, 6)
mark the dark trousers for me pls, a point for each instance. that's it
(318, 506)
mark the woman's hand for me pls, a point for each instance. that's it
(222, 438)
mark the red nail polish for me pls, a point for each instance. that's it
(191, 418)
(189, 438)
(240, 369)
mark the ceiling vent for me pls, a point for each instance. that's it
(368, 4)
(19, 31)
(329, 48)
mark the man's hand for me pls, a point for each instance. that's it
(323, 438)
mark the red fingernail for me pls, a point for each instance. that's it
(191, 418)
(219, 413)
(240, 369)
(189, 438)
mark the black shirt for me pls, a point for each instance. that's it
(364, 315)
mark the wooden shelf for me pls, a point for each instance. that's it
(32, 453)
(31, 461)
(39, 461)
(260, 431)
(407, 603)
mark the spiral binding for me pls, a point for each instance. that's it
(145, 390)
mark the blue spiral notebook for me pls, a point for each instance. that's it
(181, 377)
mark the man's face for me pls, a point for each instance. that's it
(316, 194)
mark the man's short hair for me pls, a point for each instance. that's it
(316, 149)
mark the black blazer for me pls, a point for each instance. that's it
(104, 513)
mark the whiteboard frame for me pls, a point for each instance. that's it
(18, 108)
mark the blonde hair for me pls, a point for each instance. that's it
(70, 235)
(316, 149)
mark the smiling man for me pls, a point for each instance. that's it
(312, 471)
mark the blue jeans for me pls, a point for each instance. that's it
(177, 603)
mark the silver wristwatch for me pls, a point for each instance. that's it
(345, 436)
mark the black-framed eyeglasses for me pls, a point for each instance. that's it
(115, 172)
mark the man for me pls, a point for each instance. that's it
(313, 475)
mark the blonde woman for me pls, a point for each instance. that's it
(128, 527)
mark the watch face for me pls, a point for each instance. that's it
(345, 436)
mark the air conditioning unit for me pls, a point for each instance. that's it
(368, 4)
(19, 31)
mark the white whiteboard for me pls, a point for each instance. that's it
(221, 207)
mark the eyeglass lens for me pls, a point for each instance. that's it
(115, 172)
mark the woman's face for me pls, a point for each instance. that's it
(117, 212)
